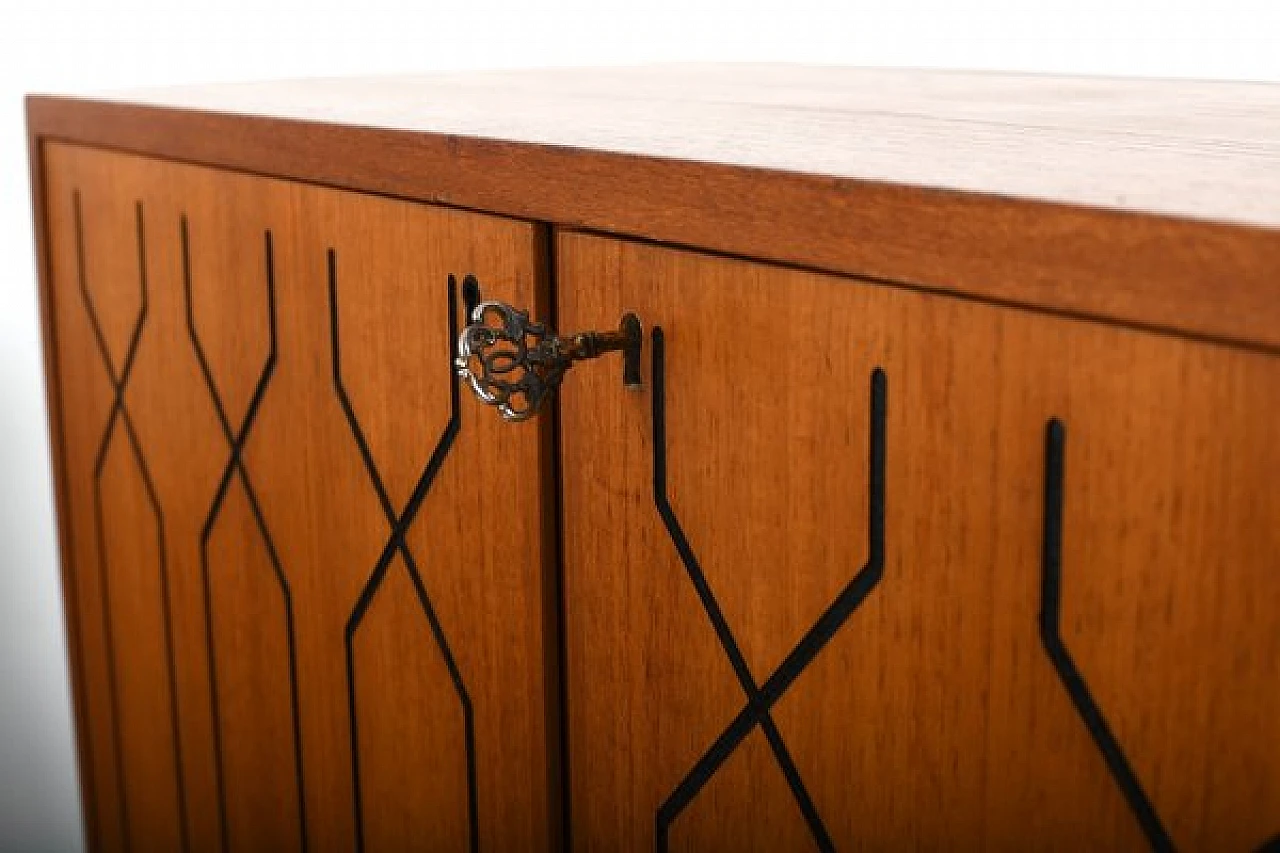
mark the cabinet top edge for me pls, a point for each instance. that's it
(1202, 150)
(1205, 263)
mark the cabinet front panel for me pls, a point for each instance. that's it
(866, 568)
(309, 594)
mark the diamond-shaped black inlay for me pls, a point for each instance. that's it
(762, 697)
(234, 470)
(398, 523)
(119, 415)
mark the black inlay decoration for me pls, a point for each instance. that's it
(120, 413)
(470, 294)
(1050, 635)
(235, 467)
(399, 524)
(762, 698)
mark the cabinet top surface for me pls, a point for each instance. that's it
(1191, 149)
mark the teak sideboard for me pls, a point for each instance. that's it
(912, 481)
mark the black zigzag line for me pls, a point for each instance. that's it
(399, 525)
(235, 468)
(119, 412)
(760, 700)
(1051, 636)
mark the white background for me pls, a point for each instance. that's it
(66, 46)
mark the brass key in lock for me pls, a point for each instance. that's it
(515, 364)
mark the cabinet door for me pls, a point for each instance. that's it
(307, 600)
(868, 568)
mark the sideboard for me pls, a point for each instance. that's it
(710, 458)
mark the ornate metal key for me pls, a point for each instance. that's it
(515, 364)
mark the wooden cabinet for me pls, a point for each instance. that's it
(944, 516)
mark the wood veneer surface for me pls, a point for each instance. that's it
(933, 714)
(1204, 150)
(304, 613)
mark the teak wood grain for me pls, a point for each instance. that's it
(1193, 149)
(935, 716)
(946, 517)
(259, 664)
(1145, 202)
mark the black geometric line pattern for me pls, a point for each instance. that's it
(399, 524)
(762, 698)
(235, 468)
(1051, 636)
(120, 414)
